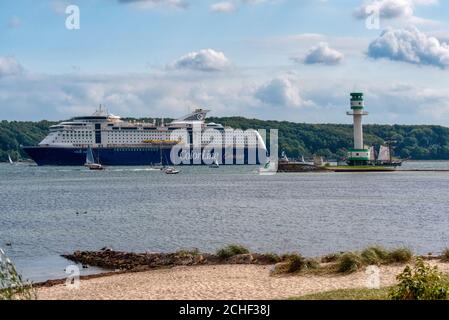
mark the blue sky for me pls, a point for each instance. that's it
(268, 59)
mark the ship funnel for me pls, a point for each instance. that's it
(197, 115)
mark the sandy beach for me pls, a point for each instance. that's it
(215, 282)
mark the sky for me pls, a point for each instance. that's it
(294, 60)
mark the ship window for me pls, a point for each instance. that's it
(98, 137)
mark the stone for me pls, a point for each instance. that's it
(245, 258)
(280, 267)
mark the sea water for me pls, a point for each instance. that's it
(49, 211)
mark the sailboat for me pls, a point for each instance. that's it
(384, 154)
(160, 165)
(372, 154)
(90, 161)
(385, 157)
(284, 157)
(10, 160)
(215, 163)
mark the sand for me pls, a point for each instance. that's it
(238, 282)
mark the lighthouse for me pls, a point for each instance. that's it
(359, 155)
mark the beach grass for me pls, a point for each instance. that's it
(374, 255)
(400, 255)
(445, 255)
(349, 262)
(231, 250)
(347, 294)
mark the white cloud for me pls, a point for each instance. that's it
(397, 12)
(9, 66)
(431, 103)
(442, 35)
(407, 103)
(254, 2)
(163, 93)
(410, 45)
(281, 91)
(391, 9)
(321, 54)
(297, 46)
(230, 6)
(207, 60)
(225, 6)
(387, 8)
(149, 4)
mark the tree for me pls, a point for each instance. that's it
(296, 139)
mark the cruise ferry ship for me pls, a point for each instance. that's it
(115, 142)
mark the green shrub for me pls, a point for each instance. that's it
(349, 262)
(381, 252)
(401, 255)
(312, 264)
(445, 255)
(374, 255)
(231, 250)
(12, 287)
(423, 282)
(295, 262)
(332, 257)
(370, 257)
(272, 257)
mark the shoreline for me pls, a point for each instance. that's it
(215, 282)
(119, 266)
(54, 282)
(121, 262)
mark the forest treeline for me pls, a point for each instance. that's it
(419, 142)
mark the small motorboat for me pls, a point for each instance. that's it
(90, 161)
(95, 166)
(171, 170)
(270, 168)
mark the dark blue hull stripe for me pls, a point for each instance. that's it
(50, 156)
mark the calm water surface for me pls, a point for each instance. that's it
(137, 209)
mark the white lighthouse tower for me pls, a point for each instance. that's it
(359, 155)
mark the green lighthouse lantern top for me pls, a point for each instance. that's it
(357, 101)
